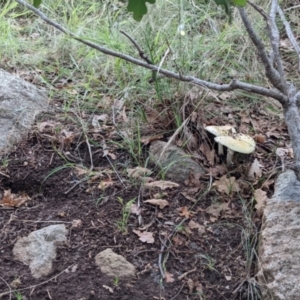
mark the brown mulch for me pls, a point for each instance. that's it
(216, 256)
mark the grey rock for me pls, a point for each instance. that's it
(20, 101)
(174, 162)
(38, 249)
(279, 255)
(114, 265)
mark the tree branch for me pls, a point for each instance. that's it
(274, 39)
(290, 34)
(271, 73)
(233, 85)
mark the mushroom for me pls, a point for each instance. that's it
(226, 130)
(236, 143)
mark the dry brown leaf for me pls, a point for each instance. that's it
(215, 210)
(47, 126)
(145, 236)
(218, 170)
(226, 185)
(188, 197)
(138, 172)
(80, 171)
(158, 202)
(255, 169)
(169, 277)
(191, 285)
(148, 139)
(105, 184)
(162, 184)
(193, 225)
(282, 152)
(184, 212)
(177, 241)
(134, 209)
(95, 122)
(261, 199)
(208, 153)
(13, 200)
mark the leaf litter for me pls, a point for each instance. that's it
(215, 196)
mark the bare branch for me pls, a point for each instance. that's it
(293, 7)
(271, 73)
(274, 38)
(141, 52)
(290, 34)
(235, 84)
(270, 30)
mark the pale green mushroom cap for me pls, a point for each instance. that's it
(238, 143)
(220, 130)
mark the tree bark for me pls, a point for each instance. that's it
(292, 119)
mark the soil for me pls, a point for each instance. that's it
(214, 255)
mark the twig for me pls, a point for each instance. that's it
(141, 52)
(271, 73)
(290, 34)
(235, 84)
(41, 283)
(77, 183)
(8, 287)
(293, 7)
(274, 38)
(4, 175)
(164, 245)
(115, 171)
(178, 291)
(171, 139)
(187, 273)
(31, 221)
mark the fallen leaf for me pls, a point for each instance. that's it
(13, 200)
(255, 169)
(226, 185)
(15, 283)
(177, 241)
(184, 212)
(193, 225)
(96, 119)
(138, 172)
(158, 202)
(148, 139)
(169, 277)
(191, 285)
(105, 183)
(80, 171)
(162, 184)
(215, 210)
(261, 199)
(188, 197)
(134, 209)
(145, 236)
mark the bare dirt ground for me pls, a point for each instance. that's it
(204, 241)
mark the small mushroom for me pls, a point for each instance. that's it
(226, 130)
(236, 143)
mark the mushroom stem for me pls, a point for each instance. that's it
(229, 157)
(220, 149)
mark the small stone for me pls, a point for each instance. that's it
(114, 265)
(174, 162)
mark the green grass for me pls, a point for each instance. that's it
(209, 49)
